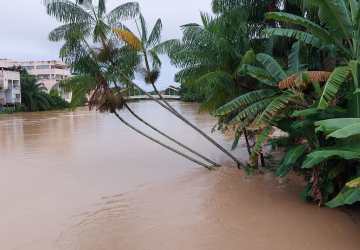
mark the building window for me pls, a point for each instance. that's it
(16, 83)
(43, 76)
(43, 67)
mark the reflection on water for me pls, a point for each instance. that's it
(80, 180)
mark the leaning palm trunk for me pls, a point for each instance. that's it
(167, 136)
(168, 107)
(247, 141)
(108, 101)
(170, 138)
(82, 21)
(160, 143)
(141, 45)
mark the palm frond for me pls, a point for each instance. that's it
(155, 34)
(221, 6)
(101, 7)
(335, 81)
(206, 19)
(155, 59)
(168, 47)
(245, 100)
(144, 31)
(66, 30)
(193, 73)
(217, 86)
(80, 87)
(67, 11)
(123, 12)
(129, 38)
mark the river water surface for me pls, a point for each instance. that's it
(82, 181)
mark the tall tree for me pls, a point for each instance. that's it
(33, 94)
(148, 46)
(105, 67)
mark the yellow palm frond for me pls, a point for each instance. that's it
(354, 183)
(311, 76)
(129, 38)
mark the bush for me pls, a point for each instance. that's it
(56, 102)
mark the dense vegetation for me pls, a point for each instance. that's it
(35, 98)
(309, 89)
(259, 66)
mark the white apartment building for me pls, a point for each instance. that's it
(49, 73)
(10, 88)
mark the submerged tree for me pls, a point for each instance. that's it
(104, 66)
(33, 94)
(209, 55)
(148, 46)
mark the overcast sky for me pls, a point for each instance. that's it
(25, 27)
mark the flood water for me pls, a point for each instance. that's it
(82, 181)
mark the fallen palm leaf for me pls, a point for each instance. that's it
(311, 76)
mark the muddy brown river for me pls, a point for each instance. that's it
(82, 181)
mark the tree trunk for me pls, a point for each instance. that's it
(247, 141)
(174, 111)
(170, 138)
(262, 160)
(160, 143)
(168, 107)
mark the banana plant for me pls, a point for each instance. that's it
(339, 32)
(345, 132)
(281, 89)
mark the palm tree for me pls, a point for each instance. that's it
(33, 94)
(89, 18)
(337, 34)
(208, 56)
(103, 67)
(145, 43)
(148, 47)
